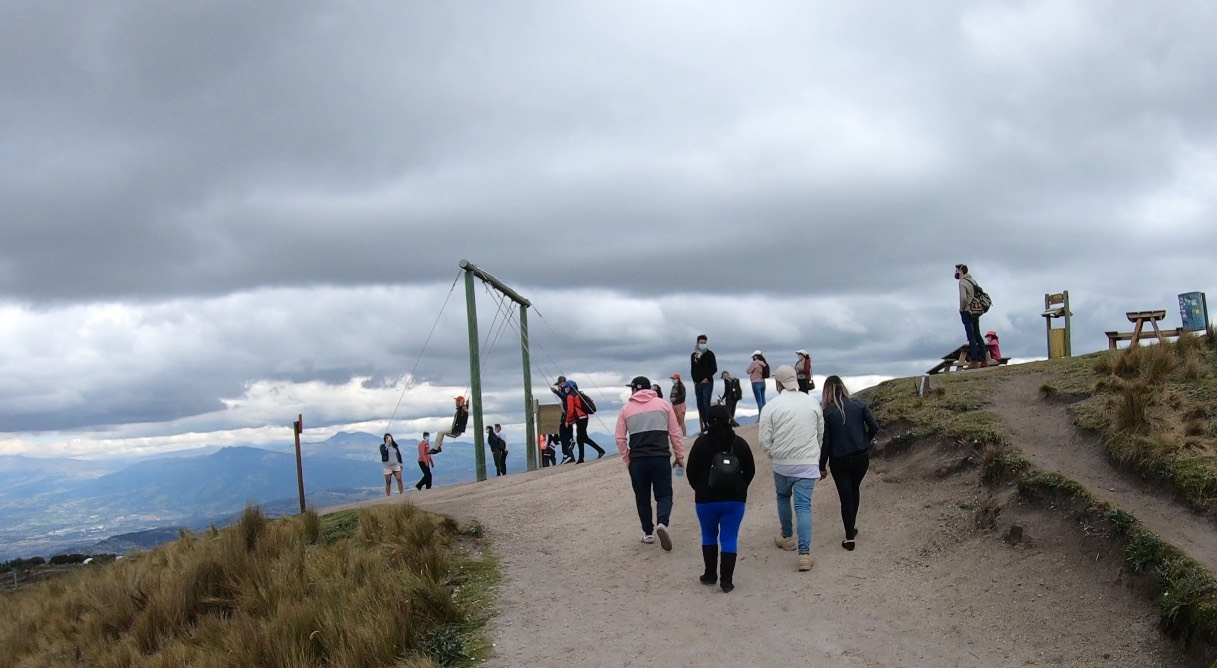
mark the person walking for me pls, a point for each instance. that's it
(647, 437)
(677, 398)
(702, 367)
(425, 463)
(802, 370)
(390, 459)
(971, 320)
(849, 430)
(720, 501)
(758, 371)
(566, 432)
(731, 395)
(576, 417)
(791, 432)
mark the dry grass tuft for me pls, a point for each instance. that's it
(387, 590)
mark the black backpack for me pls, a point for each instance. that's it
(981, 301)
(588, 404)
(726, 474)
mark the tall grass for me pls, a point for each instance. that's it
(387, 590)
(1159, 412)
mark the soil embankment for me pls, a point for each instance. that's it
(925, 587)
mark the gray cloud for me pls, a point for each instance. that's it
(282, 191)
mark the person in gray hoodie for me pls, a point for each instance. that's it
(971, 321)
(849, 429)
(791, 432)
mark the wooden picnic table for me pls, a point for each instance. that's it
(1139, 318)
(958, 359)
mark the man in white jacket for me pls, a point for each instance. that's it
(791, 433)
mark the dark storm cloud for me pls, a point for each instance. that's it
(783, 175)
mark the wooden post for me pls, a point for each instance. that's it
(297, 428)
(475, 379)
(530, 429)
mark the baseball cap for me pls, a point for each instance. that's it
(786, 377)
(675, 375)
(757, 352)
(802, 352)
(640, 383)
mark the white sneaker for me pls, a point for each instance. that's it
(665, 541)
(648, 538)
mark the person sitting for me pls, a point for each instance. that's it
(459, 421)
(992, 347)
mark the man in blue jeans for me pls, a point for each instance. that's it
(646, 426)
(702, 367)
(791, 431)
(971, 321)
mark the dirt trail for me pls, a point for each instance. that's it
(924, 587)
(1047, 437)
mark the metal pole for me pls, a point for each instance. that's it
(475, 376)
(530, 426)
(1068, 329)
(297, 428)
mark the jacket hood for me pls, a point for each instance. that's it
(643, 396)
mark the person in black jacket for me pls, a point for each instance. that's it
(390, 459)
(677, 399)
(719, 511)
(498, 450)
(849, 429)
(702, 367)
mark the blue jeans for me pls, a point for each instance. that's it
(647, 474)
(758, 393)
(800, 489)
(704, 391)
(720, 524)
(976, 344)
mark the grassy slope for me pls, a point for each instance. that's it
(385, 586)
(1154, 408)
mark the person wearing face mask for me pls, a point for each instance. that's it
(971, 321)
(702, 367)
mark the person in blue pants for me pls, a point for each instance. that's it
(720, 507)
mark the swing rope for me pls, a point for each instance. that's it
(410, 378)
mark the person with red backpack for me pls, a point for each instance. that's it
(577, 414)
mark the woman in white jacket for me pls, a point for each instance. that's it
(791, 432)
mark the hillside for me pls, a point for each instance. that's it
(967, 545)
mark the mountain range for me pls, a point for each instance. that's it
(55, 505)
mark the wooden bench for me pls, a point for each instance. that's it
(958, 359)
(1139, 318)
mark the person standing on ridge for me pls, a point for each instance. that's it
(849, 429)
(731, 395)
(498, 449)
(390, 459)
(802, 371)
(702, 367)
(971, 321)
(647, 436)
(577, 416)
(677, 398)
(425, 463)
(758, 371)
(566, 433)
(791, 432)
(719, 503)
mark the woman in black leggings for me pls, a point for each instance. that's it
(849, 428)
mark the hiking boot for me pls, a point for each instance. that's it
(726, 581)
(709, 555)
(665, 541)
(648, 538)
(788, 543)
(805, 562)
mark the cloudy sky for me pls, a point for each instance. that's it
(218, 215)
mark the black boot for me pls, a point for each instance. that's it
(727, 571)
(709, 554)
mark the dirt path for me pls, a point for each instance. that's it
(1046, 435)
(923, 588)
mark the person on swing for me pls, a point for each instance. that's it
(459, 421)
